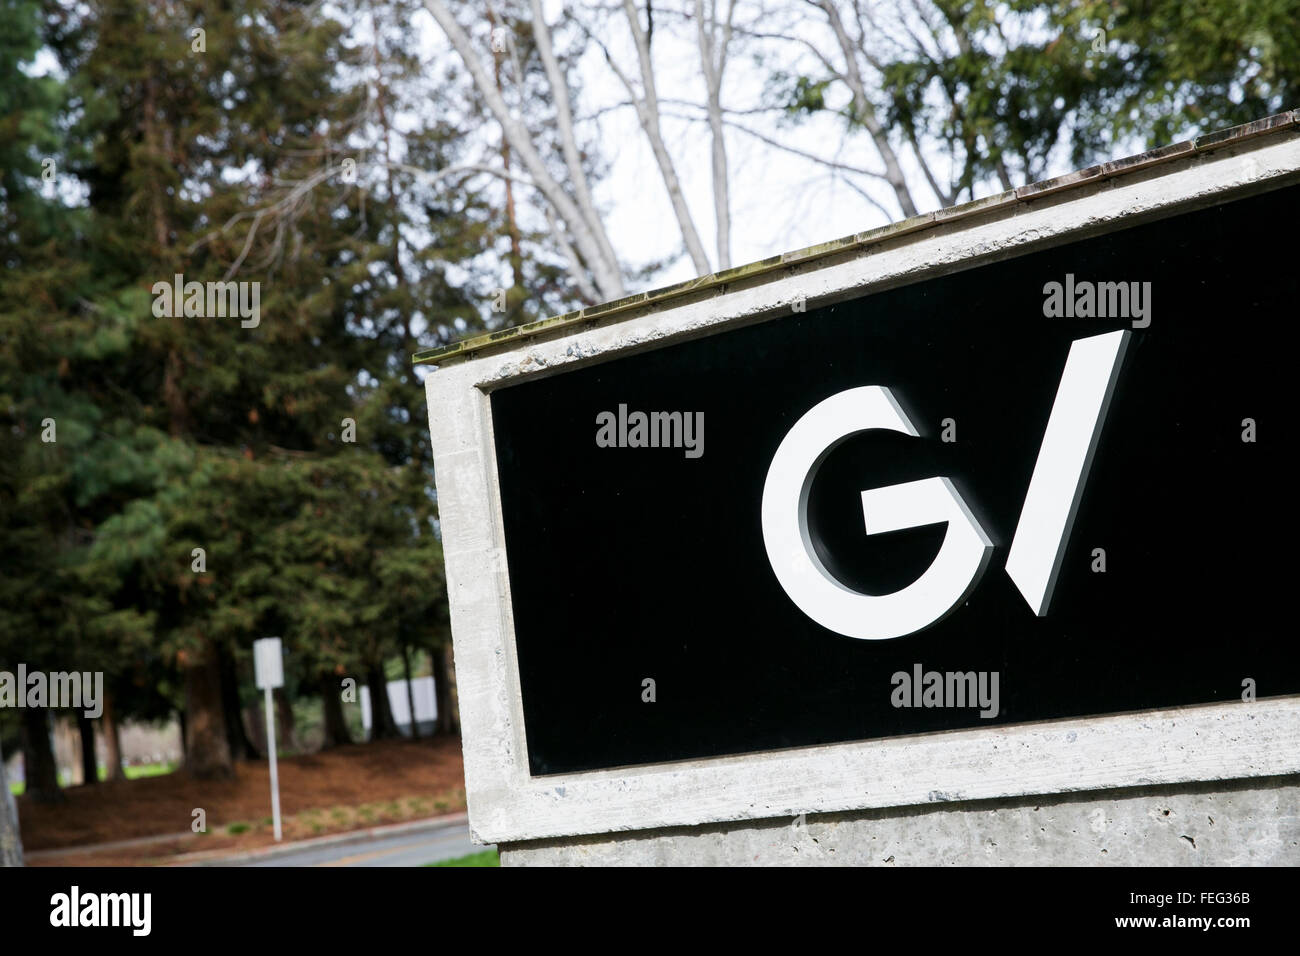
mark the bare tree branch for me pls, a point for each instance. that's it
(607, 273)
(648, 112)
(573, 263)
(714, 40)
(865, 195)
(787, 148)
(568, 142)
(863, 110)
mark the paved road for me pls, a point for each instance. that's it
(403, 849)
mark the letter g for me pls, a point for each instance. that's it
(955, 570)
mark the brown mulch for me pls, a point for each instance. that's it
(340, 789)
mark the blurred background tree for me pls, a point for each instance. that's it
(960, 98)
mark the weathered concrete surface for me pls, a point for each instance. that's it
(1218, 824)
(1173, 747)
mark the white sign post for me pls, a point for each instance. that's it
(268, 668)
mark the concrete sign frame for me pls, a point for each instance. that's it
(1213, 742)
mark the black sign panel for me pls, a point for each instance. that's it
(650, 618)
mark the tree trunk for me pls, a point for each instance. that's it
(444, 685)
(382, 725)
(336, 725)
(241, 748)
(38, 757)
(11, 841)
(410, 692)
(254, 718)
(285, 725)
(89, 761)
(112, 741)
(207, 748)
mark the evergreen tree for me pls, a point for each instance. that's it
(215, 481)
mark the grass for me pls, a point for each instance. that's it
(145, 770)
(483, 858)
(17, 787)
(322, 820)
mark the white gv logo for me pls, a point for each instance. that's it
(1034, 560)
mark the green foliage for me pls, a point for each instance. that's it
(180, 433)
(1193, 66)
(482, 858)
(997, 89)
(798, 95)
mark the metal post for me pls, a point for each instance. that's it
(270, 750)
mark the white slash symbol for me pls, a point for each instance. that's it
(1064, 459)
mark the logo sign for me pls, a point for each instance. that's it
(1036, 550)
(1045, 487)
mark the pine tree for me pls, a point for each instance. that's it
(214, 483)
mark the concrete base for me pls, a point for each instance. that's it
(1226, 823)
